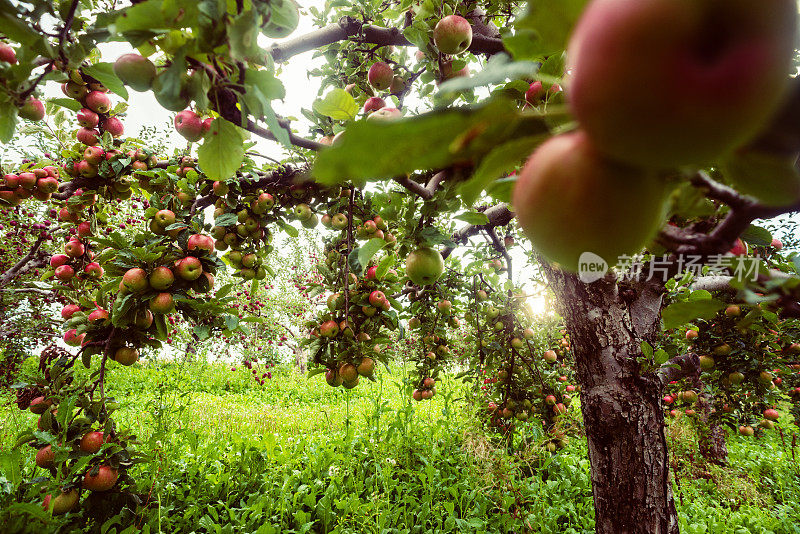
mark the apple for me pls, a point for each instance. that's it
(447, 71)
(722, 350)
(189, 268)
(100, 479)
(143, 319)
(374, 103)
(32, 109)
(45, 456)
(94, 155)
(161, 278)
(64, 273)
(74, 249)
(733, 311)
(135, 71)
(128, 355)
(452, 34)
(303, 212)
(445, 307)
(517, 343)
(746, 430)
(61, 503)
(86, 169)
(164, 218)
(385, 114)
(668, 399)
(135, 280)
(339, 221)
(739, 248)
(98, 102)
(88, 118)
(528, 333)
(113, 126)
(97, 315)
(329, 329)
(201, 242)
(91, 442)
(220, 189)
(424, 266)
(69, 310)
(690, 396)
(189, 125)
(333, 378)
(691, 335)
(558, 195)
(72, 338)
(366, 367)
(534, 93)
(88, 136)
(707, 363)
(348, 372)
(263, 203)
(771, 414)
(380, 75)
(736, 378)
(664, 83)
(7, 54)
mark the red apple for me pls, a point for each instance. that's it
(452, 34)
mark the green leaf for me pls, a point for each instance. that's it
(661, 356)
(104, 73)
(69, 103)
(497, 70)
(338, 104)
(755, 235)
(432, 140)
(288, 228)
(266, 82)
(369, 249)
(680, 313)
(222, 151)
(473, 217)
(243, 36)
(772, 179)
(226, 219)
(496, 164)
(384, 266)
(647, 349)
(8, 121)
(552, 20)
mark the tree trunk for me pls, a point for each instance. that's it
(711, 435)
(621, 407)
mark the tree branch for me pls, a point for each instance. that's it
(498, 215)
(349, 28)
(10, 274)
(679, 367)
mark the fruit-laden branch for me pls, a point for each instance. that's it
(349, 28)
(712, 283)
(33, 259)
(743, 211)
(679, 367)
(498, 215)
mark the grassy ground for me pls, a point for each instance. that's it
(224, 454)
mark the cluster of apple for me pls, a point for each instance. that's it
(32, 108)
(619, 56)
(77, 258)
(65, 440)
(36, 183)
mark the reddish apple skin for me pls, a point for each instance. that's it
(189, 125)
(104, 480)
(189, 268)
(98, 102)
(32, 109)
(374, 103)
(7, 54)
(569, 200)
(88, 118)
(88, 136)
(380, 76)
(664, 83)
(114, 126)
(92, 442)
(452, 34)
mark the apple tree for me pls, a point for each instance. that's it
(593, 124)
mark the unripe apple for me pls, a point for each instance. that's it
(189, 268)
(707, 363)
(664, 83)
(161, 278)
(447, 71)
(339, 221)
(445, 307)
(135, 71)
(189, 125)
(736, 378)
(746, 430)
(220, 189)
(32, 109)
(571, 200)
(98, 102)
(380, 75)
(366, 367)
(424, 266)
(164, 218)
(88, 118)
(452, 34)
(374, 103)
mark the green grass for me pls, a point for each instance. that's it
(224, 454)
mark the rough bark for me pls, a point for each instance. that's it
(621, 407)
